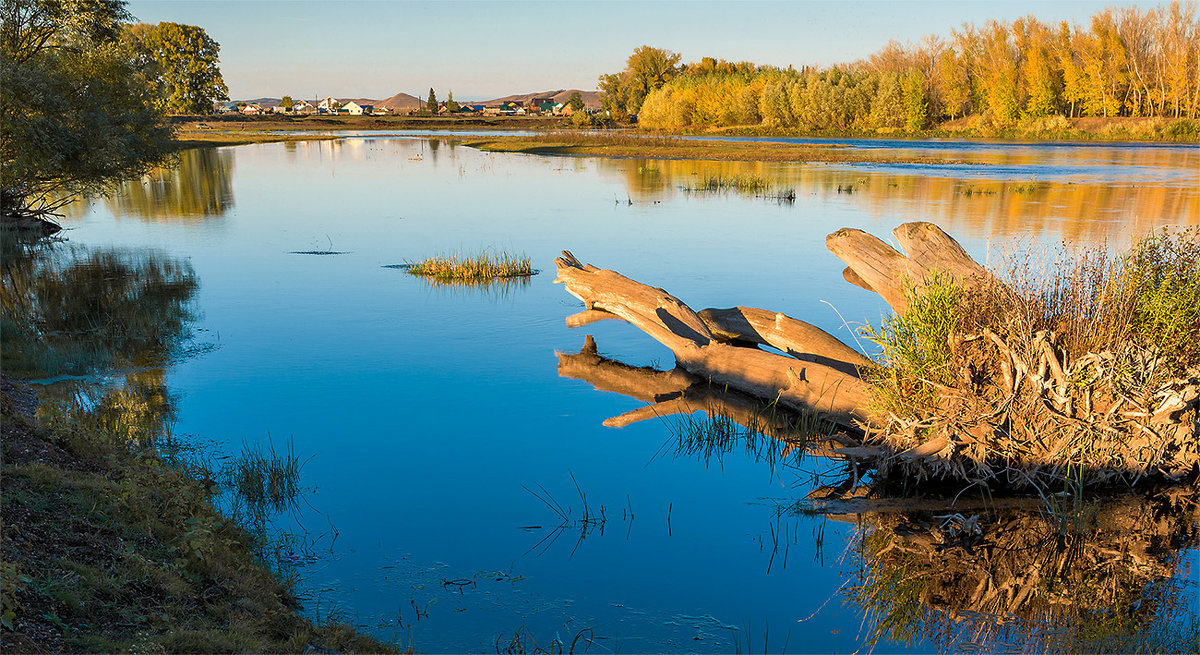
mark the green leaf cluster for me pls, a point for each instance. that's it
(74, 114)
(180, 62)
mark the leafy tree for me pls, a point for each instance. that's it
(915, 90)
(287, 103)
(646, 69)
(431, 105)
(182, 63)
(452, 106)
(74, 115)
(576, 102)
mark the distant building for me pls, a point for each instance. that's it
(541, 105)
(329, 105)
(252, 108)
(354, 109)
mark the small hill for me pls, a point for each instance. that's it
(401, 101)
(591, 99)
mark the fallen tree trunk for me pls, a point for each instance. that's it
(797, 385)
(801, 340)
(1023, 411)
(876, 266)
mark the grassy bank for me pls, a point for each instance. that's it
(1047, 129)
(202, 138)
(624, 145)
(108, 548)
(110, 539)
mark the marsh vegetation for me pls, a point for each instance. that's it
(481, 267)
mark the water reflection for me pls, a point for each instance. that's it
(1083, 207)
(197, 184)
(1017, 574)
(75, 310)
(1072, 575)
(767, 433)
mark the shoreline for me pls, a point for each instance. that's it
(97, 531)
(1080, 130)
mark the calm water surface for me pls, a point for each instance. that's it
(432, 418)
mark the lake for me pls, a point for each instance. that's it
(461, 494)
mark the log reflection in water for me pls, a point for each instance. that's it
(768, 432)
(1069, 574)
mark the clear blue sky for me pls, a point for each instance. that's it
(480, 50)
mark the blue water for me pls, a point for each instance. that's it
(430, 414)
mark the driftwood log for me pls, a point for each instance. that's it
(1021, 421)
(790, 382)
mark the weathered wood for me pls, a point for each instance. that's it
(801, 340)
(876, 266)
(792, 383)
(850, 276)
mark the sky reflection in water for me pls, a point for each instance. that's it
(431, 411)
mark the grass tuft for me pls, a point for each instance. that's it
(479, 267)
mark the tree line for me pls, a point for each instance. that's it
(1124, 62)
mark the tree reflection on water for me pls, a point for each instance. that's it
(71, 310)
(1068, 575)
(198, 184)
(1077, 571)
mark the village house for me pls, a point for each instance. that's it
(252, 109)
(329, 105)
(354, 109)
(541, 105)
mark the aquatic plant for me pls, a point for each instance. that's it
(481, 266)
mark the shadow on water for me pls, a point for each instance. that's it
(972, 574)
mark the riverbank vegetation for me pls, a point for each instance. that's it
(84, 101)
(1020, 79)
(109, 548)
(1084, 368)
(114, 536)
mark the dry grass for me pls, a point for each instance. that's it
(643, 145)
(1084, 369)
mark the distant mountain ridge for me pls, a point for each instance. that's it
(591, 99)
(405, 101)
